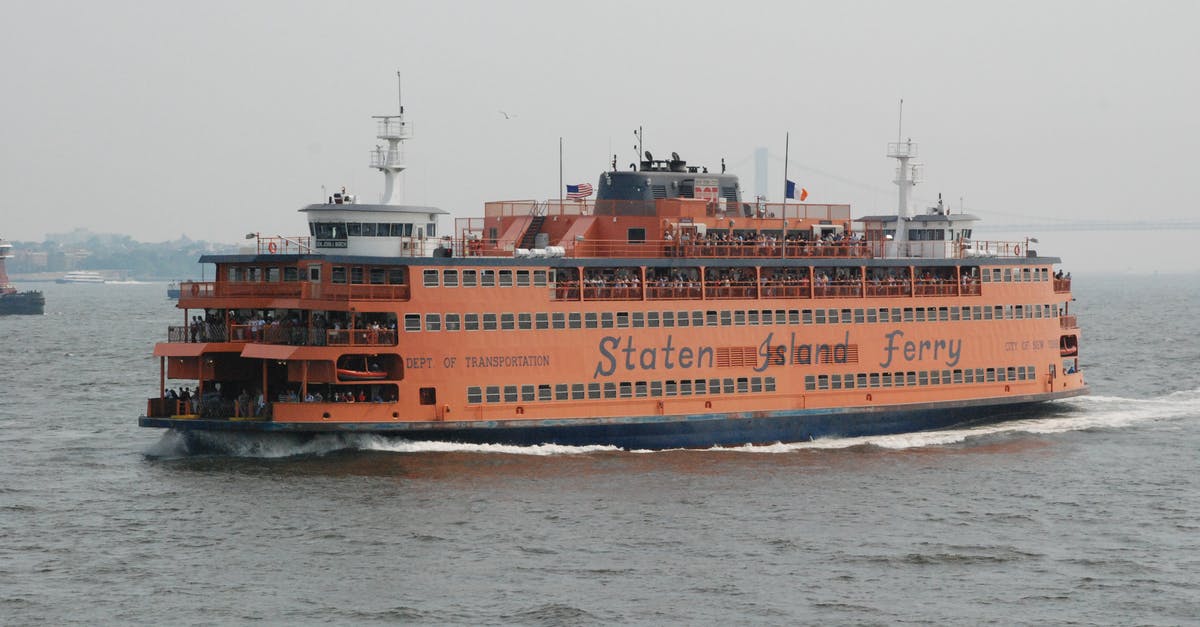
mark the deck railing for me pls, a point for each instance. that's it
(1062, 286)
(1068, 322)
(195, 292)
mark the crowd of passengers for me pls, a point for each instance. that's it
(252, 403)
(764, 242)
(290, 328)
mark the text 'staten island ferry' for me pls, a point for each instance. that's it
(666, 312)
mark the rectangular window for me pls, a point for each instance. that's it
(338, 275)
(726, 318)
(506, 278)
(527, 393)
(752, 317)
(488, 278)
(412, 322)
(525, 321)
(539, 278)
(711, 318)
(272, 274)
(652, 319)
(433, 322)
(739, 318)
(697, 319)
(470, 278)
(376, 276)
(489, 322)
(452, 322)
(291, 274)
(450, 278)
(356, 275)
(508, 322)
(430, 278)
(819, 316)
(768, 316)
(673, 388)
(626, 389)
(622, 319)
(475, 395)
(593, 391)
(577, 392)
(668, 319)
(522, 278)
(743, 385)
(639, 319)
(728, 386)
(471, 321)
(397, 276)
(610, 390)
(656, 388)
(493, 394)
(810, 383)
(510, 394)
(591, 320)
(769, 384)
(574, 320)
(541, 320)
(606, 319)
(560, 392)
(640, 389)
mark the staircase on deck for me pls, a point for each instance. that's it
(535, 225)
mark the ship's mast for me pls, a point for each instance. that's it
(395, 130)
(907, 175)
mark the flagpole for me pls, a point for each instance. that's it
(783, 211)
(560, 176)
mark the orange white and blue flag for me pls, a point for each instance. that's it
(791, 191)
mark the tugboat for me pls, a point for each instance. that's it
(14, 302)
(667, 312)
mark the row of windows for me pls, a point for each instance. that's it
(618, 389)
(487, 278)
(505, 278)
(339, 230)
(357, 275)
(1015, 275)
(868, 380)
(714, 318)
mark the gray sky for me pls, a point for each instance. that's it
(214, 119)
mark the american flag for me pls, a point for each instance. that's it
(580, 191)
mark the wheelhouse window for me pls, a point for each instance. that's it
(337, 274)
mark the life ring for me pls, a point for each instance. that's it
(1016, 250)
(272, 248)
(195, 289)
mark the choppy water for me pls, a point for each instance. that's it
(1088, 514)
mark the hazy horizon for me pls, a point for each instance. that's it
(217, 119)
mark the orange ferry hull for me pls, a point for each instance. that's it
(664, 432)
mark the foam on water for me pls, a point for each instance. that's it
(1080, 414)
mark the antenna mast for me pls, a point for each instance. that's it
(390, 161)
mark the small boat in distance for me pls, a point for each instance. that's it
(80, 276)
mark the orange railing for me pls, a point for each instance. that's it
(838, 289)
(927, 287)
(889, 289)
(1062, 286)
(1068, 322)
(190, 291)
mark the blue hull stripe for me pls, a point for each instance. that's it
(657, 432)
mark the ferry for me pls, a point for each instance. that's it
(80, 276)
(12, 301)
(667, 311)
